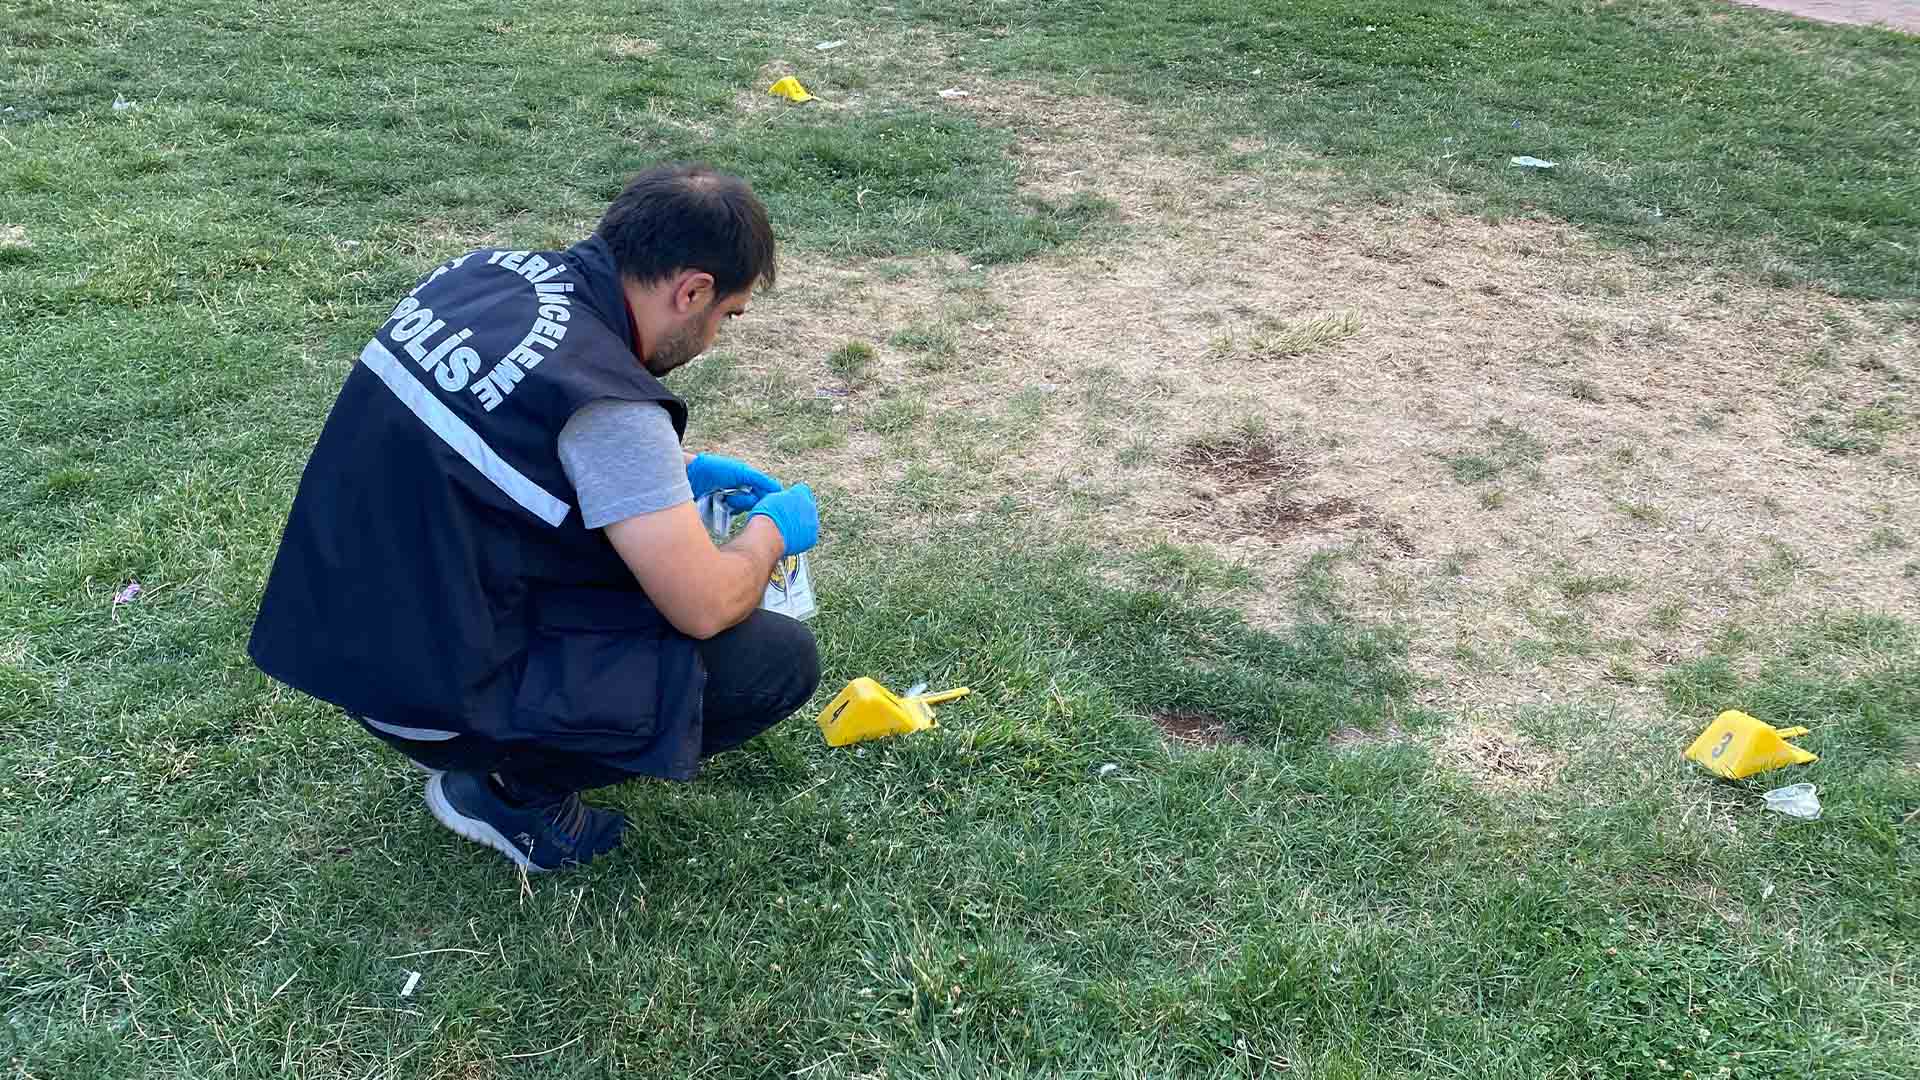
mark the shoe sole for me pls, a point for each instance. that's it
(474, 829)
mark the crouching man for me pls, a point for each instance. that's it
(493, 561)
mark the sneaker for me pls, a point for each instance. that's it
(536, 838)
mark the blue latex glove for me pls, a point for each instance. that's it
(795, 514)
(709, 473)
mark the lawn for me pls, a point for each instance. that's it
(1341, 529)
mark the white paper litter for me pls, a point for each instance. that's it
(955, 92)
(1526, 162)
(825, 45)
(413, 980)
(1795, 801)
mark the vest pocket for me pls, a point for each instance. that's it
(593, 665)
(591, 682)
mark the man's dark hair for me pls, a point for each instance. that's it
(690, 217)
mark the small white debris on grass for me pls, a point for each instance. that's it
(825, 45)
(413, 980)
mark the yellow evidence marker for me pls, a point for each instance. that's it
(866, 710)
(1736, 745)
(790, 88)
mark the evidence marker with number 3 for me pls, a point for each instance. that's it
(1736, 745)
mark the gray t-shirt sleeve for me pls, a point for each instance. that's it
(624, 459)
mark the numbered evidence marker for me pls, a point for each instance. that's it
(1737, 745)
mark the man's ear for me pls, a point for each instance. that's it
(693, 292)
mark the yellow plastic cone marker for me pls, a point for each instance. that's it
(790, 88)
(1737, 745)
(866, 710)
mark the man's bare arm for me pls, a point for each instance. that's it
(701, 589)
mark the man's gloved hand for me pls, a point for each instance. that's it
(795, 514)
(709, 473)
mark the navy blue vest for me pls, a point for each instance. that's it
(435, 571)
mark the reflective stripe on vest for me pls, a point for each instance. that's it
(465, 441)
(414, 734)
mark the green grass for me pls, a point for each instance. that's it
(978, 900)
(211, 876)
(1887, 538)
(895, 415)
(1641, 513)
(850, 361)
(1578, 587)
(934, 347)
(1678, 125)
(1509, 446)
(1862, 431)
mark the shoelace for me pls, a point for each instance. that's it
(569, 817)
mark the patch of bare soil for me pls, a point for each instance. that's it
(1281, 519)
(1476, 416)
(1193, 728)
(1240, 464)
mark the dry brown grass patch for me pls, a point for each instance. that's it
(1273, 339)
(1282, 519)
(623, 45)
(1667, 413)
(433, 238)
(1495, 757)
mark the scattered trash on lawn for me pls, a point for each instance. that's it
(127, 595)
(1532, 162)
(413, 980)
(955, 92)
(14, 236)
(121, 104)
(1108, 770)
(825, 45)
(790, 88)
(1736, 745)
(1795, 801)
